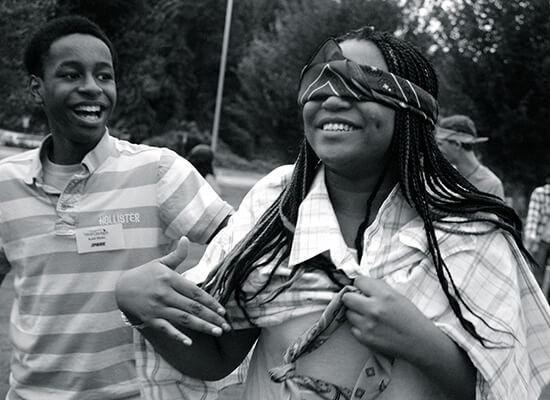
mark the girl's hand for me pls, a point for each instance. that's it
(387, 322)
(155, 296)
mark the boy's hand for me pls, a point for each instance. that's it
(162, 299)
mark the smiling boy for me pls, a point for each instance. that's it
(76, 213)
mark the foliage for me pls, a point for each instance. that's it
(496, 55)
(18, 18)
(492, 56)
(264, 114)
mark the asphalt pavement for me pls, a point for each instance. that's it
(6, 151)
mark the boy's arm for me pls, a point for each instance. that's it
(187, 203)
(209, 358)
(184, 323)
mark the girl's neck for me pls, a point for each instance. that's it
(349, 198)
(350, 195)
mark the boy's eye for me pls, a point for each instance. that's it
(70, 75)
(106, 76)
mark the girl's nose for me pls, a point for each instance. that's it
(336, 102)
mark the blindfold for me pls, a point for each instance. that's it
(329, 73)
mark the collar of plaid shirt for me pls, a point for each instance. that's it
(329, 73)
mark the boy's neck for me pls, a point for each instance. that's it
(66, 152)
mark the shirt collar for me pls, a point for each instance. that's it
(91, 161)
(316, 225)
(317, 229)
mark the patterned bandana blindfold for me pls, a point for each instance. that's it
(329, 73)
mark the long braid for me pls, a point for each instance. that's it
(428, 181)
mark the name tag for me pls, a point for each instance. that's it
(100, 238)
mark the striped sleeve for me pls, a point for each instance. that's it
(188, 205)
(4, 263)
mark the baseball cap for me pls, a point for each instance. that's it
(459, 128)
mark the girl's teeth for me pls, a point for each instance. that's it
(337, 127)
(88, 108)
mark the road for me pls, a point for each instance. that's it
(6, 151)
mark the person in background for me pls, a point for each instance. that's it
(456, 137)
(369, 269)
(78, 211)
(537, 232)
(202, 158)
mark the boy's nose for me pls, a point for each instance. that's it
(90, 86)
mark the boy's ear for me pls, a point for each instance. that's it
(36, 88)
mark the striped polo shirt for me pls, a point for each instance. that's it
(127, 206)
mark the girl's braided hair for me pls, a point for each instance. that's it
(428, 181)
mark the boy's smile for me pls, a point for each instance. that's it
(78, 92)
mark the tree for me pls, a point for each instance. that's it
(263, 116)
(496, 54)
(18, 19)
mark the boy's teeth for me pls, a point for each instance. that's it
(90, 117)
(337, 127)
(90, 113)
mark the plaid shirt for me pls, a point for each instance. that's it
(538, 216)
(487, 267)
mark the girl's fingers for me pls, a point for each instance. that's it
(358, 302)
(354, 318)
(370, 286)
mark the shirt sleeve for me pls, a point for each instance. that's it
(494, 280)
(4, 263)
(501, 300)
(534, 220)
(253, 205)
(498, 190)
(188, 205)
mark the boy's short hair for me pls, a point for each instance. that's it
(39, 44)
